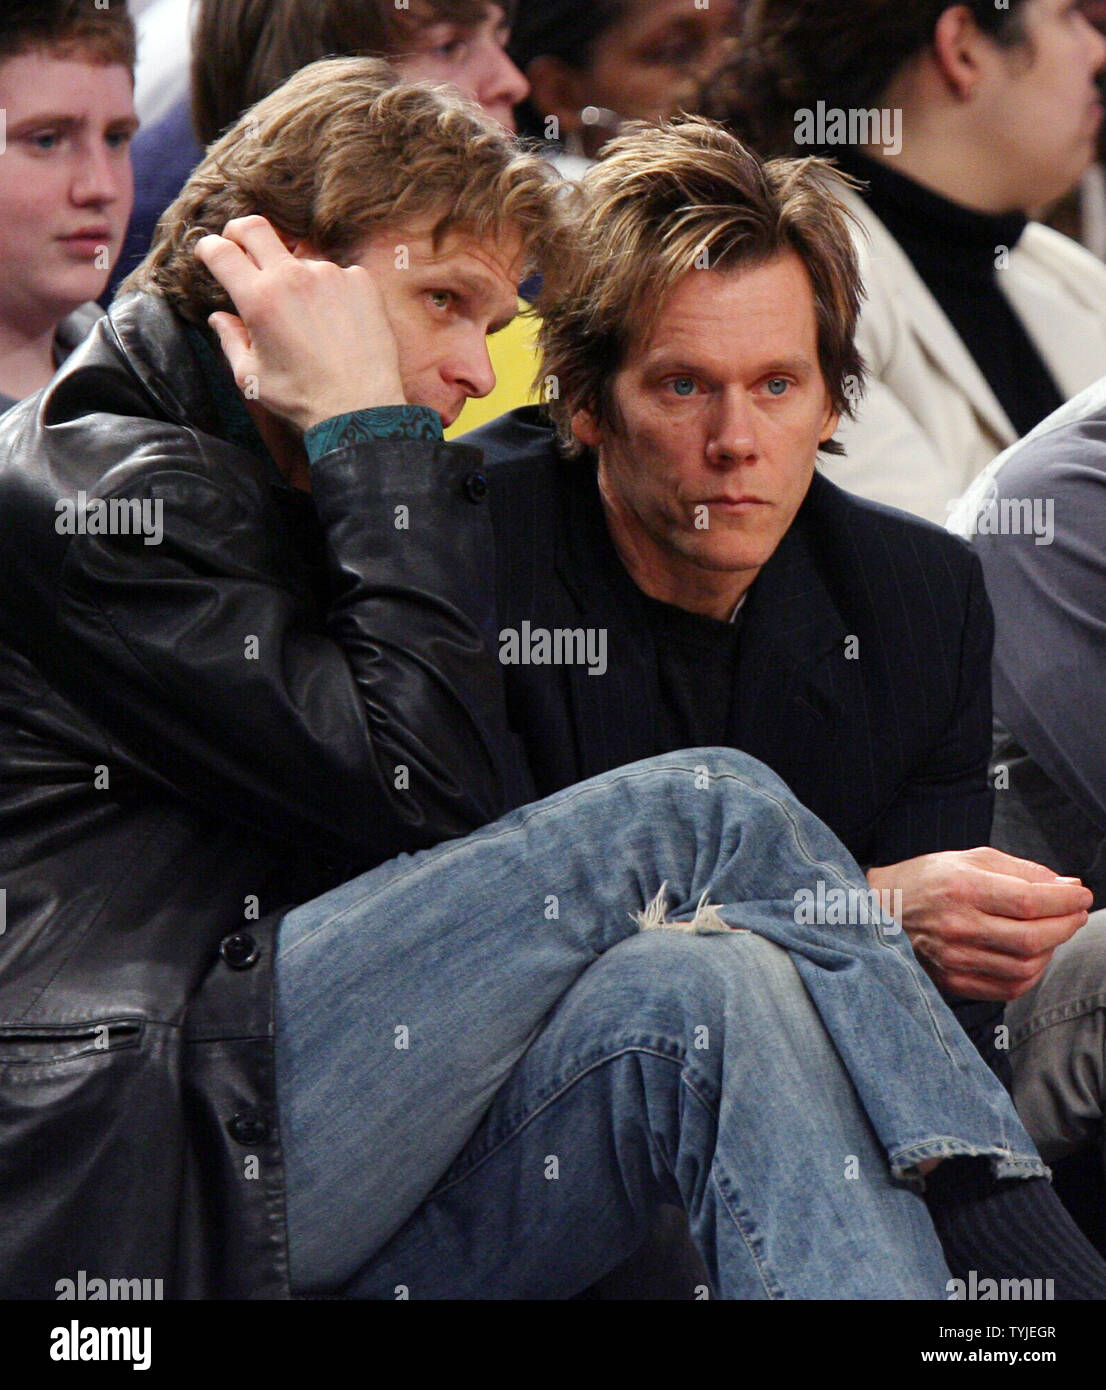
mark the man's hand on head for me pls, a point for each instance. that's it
(312, 339)
(983, 924)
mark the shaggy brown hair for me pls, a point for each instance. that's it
(342, 151)
(63, 27)
(244, 49)
(794, 53)
(667, 199)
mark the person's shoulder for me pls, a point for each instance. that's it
(879, 546)
(1041, 242)
(516, 444)
(133, 362)
(75, 327)
(130, 403)
(863, 514)
(1069, 444)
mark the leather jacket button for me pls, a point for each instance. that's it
(239, 950)
(476, 487)
(248, 1127)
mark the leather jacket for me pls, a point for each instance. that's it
(279, 693)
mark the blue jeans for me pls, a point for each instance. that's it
(489, 1075)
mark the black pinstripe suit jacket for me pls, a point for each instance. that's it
(886, 737)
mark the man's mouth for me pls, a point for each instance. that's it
(738, 504)
(88, 240)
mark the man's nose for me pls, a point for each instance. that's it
(732, 430)
(503, 83)
(1096, 44)
(99, 177)
(472, 370)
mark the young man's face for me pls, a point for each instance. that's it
(443, 305)
(473, 59)
(66, 186)
(723, 410)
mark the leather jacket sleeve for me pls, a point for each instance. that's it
(368, 727)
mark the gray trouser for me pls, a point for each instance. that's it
(1058, 1047)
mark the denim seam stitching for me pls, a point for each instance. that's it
(546, 1103)
(769, 1283)
(762, 1270)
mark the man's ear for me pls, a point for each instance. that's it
(586, 429)
(556, 90)
(829, 425)
(956, 49)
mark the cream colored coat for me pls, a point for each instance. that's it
(928, 422)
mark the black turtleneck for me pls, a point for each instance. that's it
(954, 250)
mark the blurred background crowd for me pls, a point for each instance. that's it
(976, 183)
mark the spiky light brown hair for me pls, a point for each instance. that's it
(667, 200)
(343, 150)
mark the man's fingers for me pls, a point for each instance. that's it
(1000, 937)
(998, 861)
(257, 237)
(228, 263)
(234, 340)
(1004, 895)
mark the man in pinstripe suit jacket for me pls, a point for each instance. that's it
(860, 675)
(672, 571)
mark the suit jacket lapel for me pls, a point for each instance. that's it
(789, 694)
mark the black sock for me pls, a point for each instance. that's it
(1016, 1228)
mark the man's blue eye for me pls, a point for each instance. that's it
(779, 382)
(684, 386)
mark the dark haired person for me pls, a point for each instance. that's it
(962, 121)
(623, 59)
(673, 506)
(247, 1043)
(67, 98)
(244, 49)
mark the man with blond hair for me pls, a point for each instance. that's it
(275, 1013)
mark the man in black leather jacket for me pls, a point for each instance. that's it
(190, 668)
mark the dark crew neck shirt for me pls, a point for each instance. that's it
(954, 249)
(697, 666)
